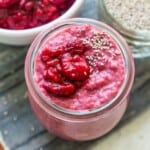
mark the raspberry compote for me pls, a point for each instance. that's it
(79, 75)
(24, 14)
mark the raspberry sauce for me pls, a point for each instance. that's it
(24, 14)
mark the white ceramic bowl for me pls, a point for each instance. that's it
(26, 36)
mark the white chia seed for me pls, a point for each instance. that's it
(133, 15)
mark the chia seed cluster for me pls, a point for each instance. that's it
(133, 15)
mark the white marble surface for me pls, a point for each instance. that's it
(134, 135)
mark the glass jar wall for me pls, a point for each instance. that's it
(78, 125)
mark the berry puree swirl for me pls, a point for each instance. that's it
(79, 67)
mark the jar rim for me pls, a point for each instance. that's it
(141, 35)
(129, 65)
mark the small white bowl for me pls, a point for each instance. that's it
(26, 36)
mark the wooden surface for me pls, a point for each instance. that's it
(18, 125)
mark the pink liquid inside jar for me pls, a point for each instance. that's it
(79, 74)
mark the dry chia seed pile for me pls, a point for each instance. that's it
(133, 15)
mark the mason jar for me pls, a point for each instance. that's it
(73, 124)
(138, 40)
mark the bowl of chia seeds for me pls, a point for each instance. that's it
(131, 19)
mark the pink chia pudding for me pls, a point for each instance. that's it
(79, 68)
(79, 74)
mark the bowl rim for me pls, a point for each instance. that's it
(35, 30)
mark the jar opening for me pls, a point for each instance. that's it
(128, 79)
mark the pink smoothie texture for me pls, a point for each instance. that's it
(79, 67)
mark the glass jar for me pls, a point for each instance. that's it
(139, 40)
(79, 125)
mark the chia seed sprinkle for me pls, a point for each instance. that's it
(132, 15)
(98, 44)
